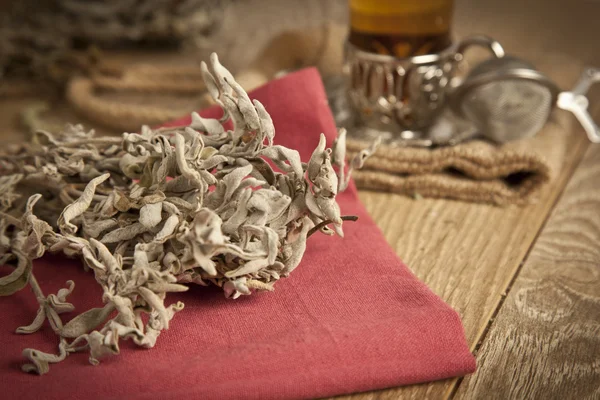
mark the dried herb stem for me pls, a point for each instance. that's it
(320, 225)
(35, 287)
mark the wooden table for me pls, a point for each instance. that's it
(525, 280)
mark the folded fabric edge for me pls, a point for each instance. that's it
(474, 166)
(497, 192)
(326, 377)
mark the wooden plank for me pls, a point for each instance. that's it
(466, 253)
(545, 341)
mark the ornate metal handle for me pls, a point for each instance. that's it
(479, 40)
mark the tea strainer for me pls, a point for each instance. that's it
(507, 99)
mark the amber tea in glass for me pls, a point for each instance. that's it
(401, 28)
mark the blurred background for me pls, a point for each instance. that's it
(116, 64)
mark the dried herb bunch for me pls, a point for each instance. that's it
(150, 211)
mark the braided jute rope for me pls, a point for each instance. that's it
(151, 78)
(282, 53)
(83, 94)
(100, 73)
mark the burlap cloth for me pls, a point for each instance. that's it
(475, 171)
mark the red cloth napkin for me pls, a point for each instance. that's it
(350, 318)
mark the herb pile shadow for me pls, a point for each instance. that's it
(151, 211)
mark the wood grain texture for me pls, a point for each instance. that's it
(466, 253)
(545, 341)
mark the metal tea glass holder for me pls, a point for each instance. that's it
(399, 99)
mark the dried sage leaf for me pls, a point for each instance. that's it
(78, 207)
(87, 321)
(150, 215)
(40, 360)
(18, 278)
